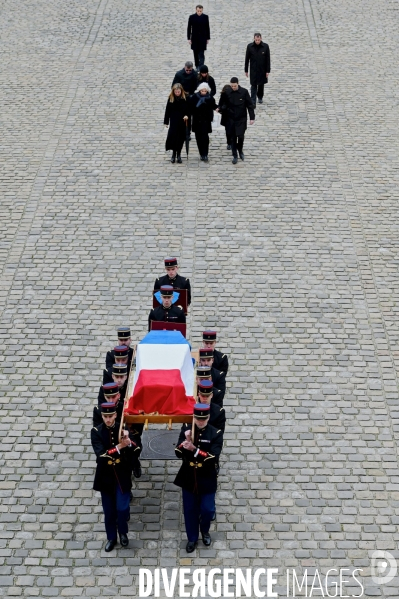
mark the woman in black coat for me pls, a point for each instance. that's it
(205, 77)
(223, 111)
(202, 107)
(176, 116)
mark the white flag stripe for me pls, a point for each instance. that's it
(166, 357)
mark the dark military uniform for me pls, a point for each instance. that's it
(198, 479)
(219, 386)
(136, 429)
(161, 314)
(178, 282)
(220, 361)
(97, 418)
(110, 359)
(101, 397)
(113, 476)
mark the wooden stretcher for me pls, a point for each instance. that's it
(146, 419)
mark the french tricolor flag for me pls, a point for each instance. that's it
(164, 377)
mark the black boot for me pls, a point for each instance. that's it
(179, 158)
(173, 159)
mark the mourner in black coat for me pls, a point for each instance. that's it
(198, 474)
(173, 278)
(205, 77)
(198, 34)
(176, 117)
(258, 58)
(238, 102)
(222, 107)
(187, 78)
(202, 107)
(113, 478)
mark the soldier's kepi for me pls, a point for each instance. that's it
(220, 361)
(124, 338)
(121, 356)
(197, 476)
(216, 376)
(167, 312)
(116, 458)
(173, 278)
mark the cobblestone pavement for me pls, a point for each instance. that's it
(293, 256)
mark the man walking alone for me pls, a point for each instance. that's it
(258, 57)
(198, 34)
(237, 104)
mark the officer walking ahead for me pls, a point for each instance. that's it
(113, 478)
(197, 475)
(173, 278)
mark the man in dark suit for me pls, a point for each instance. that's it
(238, 102)
(198, 34)
(258, 57)
(187, 77)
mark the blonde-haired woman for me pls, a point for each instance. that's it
(202, 107)
(176, 114)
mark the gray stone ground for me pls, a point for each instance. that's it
(293, 256)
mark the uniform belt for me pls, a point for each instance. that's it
(195, 465)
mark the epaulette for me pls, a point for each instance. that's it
(179, 307)
(96, 429)
(221, 372)
(221, 409)
(219, 431)
(224, 356)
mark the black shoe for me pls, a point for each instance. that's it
(137, 468)
(260, 100)
(205, 158)
(228, 147)
(124, 540)
(179, 159)
(110, 545)
(190, 547)
(214, 516)
(173, 159)
(241, 155)
(206, 539)
(235, 160)
(202, 157)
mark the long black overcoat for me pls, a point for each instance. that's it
(238, 102)
(198, 31)
(174, 113)
(187, 80)
(203, 114)
(258, 57)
